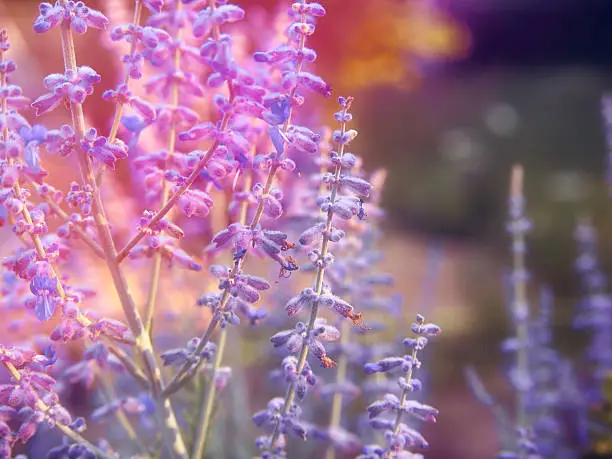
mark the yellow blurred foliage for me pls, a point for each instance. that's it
(389, 40)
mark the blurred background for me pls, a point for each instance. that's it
(449, 94)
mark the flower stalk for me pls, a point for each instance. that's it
(342, 366)
(165, 191)
(172, 437)
(519, 291)
(319, 277)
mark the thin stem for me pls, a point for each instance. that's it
(404, 396)
(67, 431)
(126, 78)
(209, 402)
(336, 410)
(109, 393)
(318, 286)
(4, 105)
(188, 370)
(519, 297)
(211, 390)
(165, 191)
(170, 430)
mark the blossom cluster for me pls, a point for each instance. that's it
(202, 129)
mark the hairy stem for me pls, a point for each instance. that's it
(119, 106)
(403, 398)
(172, 437)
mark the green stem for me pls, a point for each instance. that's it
(519, 299)
(336, 411)
(209, 401)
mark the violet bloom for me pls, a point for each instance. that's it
(134, 124)
(33, 137)
(62, 140)
(45, 289)
(278, 114)
(70, 85)
(398, 435)
(77, 13)
(101, 149)
(124, 96)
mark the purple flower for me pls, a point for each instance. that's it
(101, 149)
(62, 140)
(79, 16)
(33, 137)
(207, 18)
(74, 86)
(125, 97)
(45, 289)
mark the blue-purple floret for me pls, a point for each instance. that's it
(388, 413)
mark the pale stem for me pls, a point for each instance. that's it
(170, 430)
(336, 411)
(211, 391)
(519, 299)
(165, 191)
(403, 398)
(119, 106)
(207, 408)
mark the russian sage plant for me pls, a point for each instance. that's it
(544, 383)
(198, 127)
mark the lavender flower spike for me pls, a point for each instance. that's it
(388, 414)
